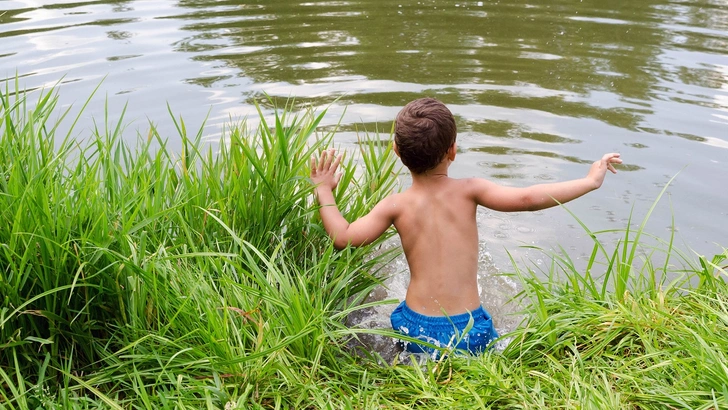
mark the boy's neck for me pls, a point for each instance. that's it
(436, 174)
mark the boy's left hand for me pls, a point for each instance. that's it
(598, 170)
(323, 171)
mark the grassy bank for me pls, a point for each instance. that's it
(148, 277)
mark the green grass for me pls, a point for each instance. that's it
(143, 277)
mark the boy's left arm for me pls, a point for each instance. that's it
(364, 230)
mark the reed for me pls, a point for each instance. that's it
(142, 262)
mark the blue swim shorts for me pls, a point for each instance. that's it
(441, 330)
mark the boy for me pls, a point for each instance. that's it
(435, 219)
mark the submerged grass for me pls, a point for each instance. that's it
(134, 277)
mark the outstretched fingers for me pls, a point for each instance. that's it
(329, 160)
(327, 163)
(610, 159)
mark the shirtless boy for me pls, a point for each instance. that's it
(435, 219)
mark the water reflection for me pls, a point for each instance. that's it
(540, 44)
(598, 61)
(601, 63)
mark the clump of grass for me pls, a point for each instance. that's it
(641, 335)
(128, 267)
(137, 277)
(638, 335)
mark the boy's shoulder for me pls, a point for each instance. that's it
(466, 184)
(471, 189)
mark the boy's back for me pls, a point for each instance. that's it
(439, 234)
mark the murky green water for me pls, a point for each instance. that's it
(540, 88)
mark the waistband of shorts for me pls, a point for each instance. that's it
(459, 320)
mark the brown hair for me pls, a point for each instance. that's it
(423, 131)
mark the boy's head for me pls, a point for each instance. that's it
(424, 131)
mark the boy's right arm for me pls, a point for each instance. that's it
(360, 232)
(542, 196)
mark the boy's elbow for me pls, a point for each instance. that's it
(534, 203)
(340, 244)
(344, 243)
(526, 203)
(341, 237)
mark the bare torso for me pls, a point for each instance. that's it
(436, 223)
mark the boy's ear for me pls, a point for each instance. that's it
(394, 147)
(452, 151)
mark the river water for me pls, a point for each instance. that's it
(540, 89)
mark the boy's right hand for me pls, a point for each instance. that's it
(323, 171)
(598, 170)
